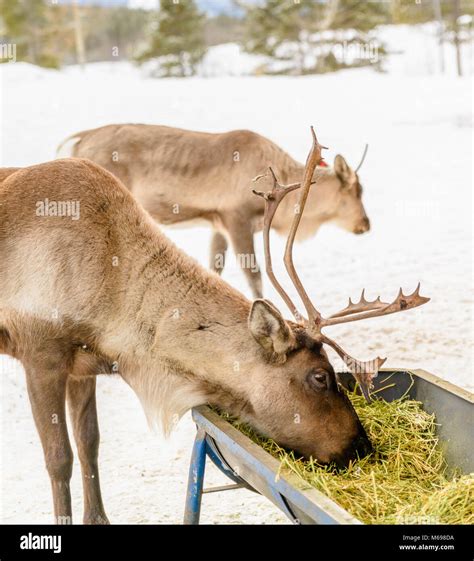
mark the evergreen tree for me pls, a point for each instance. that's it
(361, 15)
(178, 37)
(273, 22)
(27, 24)
(293, 30)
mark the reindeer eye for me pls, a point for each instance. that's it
(317, 379)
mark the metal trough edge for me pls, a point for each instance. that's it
(264, 474)
(311, 501)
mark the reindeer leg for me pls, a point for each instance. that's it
(218, 251)
(241, 235)
(83, 412)
(47, 393)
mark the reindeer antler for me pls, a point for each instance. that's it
(314, 158)
(362, 159)
(377, 308)
(363, 371)
(272, 199)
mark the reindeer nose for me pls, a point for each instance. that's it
(363, 446)
(358, 449)
(363, 226)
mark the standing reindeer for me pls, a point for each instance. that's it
(109, 293)
(182, 176)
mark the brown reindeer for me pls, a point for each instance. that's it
(109, 293)
(183, 176)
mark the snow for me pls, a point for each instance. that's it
(417, 49)
(418, 195)
(413, 50)
(230, 59)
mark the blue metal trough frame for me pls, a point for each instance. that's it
(248, 466)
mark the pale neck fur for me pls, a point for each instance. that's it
(182, 348)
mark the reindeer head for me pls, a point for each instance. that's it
(295, 398)
(326, 426)
(350, 214)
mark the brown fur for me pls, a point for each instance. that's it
(6, 172)
(182, 176)
(110, 294)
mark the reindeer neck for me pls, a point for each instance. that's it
(184, 340)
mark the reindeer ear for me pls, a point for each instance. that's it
(269, 328)
(343, 171)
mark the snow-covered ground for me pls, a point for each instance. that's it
(418, 194)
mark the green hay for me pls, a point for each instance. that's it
(405, 481)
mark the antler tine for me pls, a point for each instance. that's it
(363, 158)
(289, 187)
(272, 199)
(361, 311)
(362, 305)
(314, 158)
(363, 371)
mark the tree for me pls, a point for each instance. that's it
(26, 23)
(110, 33)
(178, 37)
(448, 13)
(456, 41)
(78, 34)
(273, 22)
(439, 18)
(360, 15)
(293, 30)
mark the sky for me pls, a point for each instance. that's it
(212, 7)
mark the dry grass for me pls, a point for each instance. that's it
(406, 479)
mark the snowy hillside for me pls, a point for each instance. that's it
(418, 194)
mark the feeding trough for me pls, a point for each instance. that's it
(248, 466)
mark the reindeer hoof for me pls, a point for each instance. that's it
(96, 519)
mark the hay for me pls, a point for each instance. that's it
(406, 480)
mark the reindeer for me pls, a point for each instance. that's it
(184, 177)
(110, 294)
